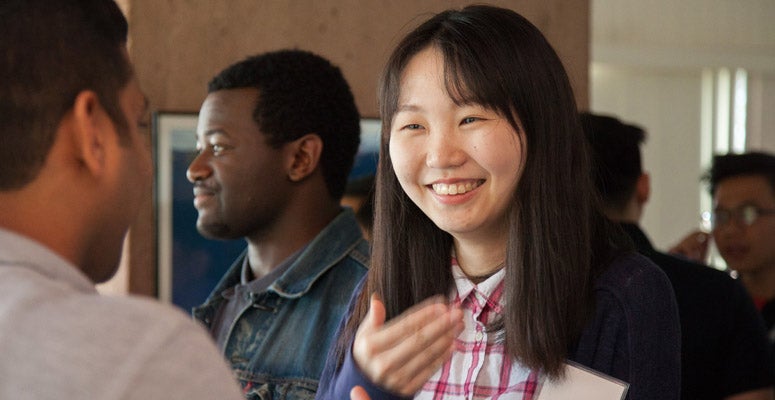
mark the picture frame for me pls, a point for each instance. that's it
(368, 153)
(189, 265)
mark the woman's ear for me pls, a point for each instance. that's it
(303, 156)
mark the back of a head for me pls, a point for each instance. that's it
(732, 165)
(616, 158)
(301, 93)
(50, 50)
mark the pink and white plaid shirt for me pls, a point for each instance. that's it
(479, 367)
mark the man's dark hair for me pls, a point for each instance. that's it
(301, 93)
(51, 50)
(616, 159)
(732, 165)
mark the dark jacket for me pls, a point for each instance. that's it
(724, 350)
(634, 336)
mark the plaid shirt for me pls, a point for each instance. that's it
(479, 367)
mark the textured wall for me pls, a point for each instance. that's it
(178, 45)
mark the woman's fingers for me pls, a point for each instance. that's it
(423, 339)
(374, 336)
(402, 354)
(421, 376)
(418, 360)
(375, 318)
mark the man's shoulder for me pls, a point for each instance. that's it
(630, 271)
(126, 318)
(96, 341)
(340, 245)
(353, 262)
(33, 300)
(633, 285)
(679, 270)
(686, 275)
(142, 309)
(340, 262)
(360, 252)
(126, 344)
(341, 238)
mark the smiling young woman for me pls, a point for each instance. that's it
(491, 264)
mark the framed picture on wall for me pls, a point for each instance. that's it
(189, 265)
(366, 160)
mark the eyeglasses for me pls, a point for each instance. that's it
(745, 215)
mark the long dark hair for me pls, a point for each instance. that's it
(496, 58)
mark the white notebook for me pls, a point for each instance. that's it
(582, 383)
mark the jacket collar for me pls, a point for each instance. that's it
(328, 248)
(642, 243)
(340, 238)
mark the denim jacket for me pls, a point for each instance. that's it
(277, 346)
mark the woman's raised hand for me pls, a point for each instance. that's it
(403, 354)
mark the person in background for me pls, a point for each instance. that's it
(276, 139)
(75, 164)
(359, 195)
(724, 350)
(743, 225)
(491, 265)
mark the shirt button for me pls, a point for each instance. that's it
(479, 336)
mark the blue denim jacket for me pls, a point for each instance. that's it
(277, 346)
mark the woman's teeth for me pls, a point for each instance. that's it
(455, 188)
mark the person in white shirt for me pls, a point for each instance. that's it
(74, 166)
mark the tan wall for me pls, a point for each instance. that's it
(178, 45)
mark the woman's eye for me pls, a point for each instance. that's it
(468, 120)
(413, 126)
(217, 149)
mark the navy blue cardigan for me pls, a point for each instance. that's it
(634, 335)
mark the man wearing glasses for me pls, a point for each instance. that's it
(743, 190)
(743, 225)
